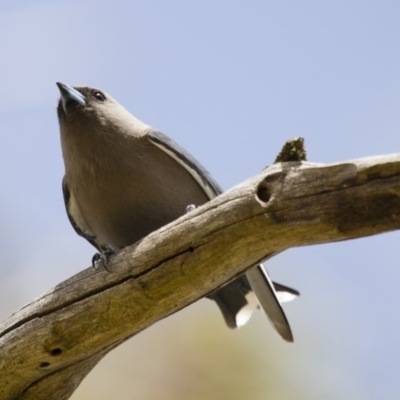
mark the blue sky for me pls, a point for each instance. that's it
(230, 81)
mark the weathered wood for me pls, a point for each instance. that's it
(48, 347)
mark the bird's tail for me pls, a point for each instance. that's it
(268, 300)
(240, 298)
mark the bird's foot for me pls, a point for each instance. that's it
(189, 208)
(102, 258)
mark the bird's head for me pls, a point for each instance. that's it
(94, 108)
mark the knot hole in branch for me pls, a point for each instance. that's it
(263, 192)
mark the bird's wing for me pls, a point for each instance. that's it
(77, 220)
(257, 276)
(181, 156)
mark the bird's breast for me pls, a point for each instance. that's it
(124, 200)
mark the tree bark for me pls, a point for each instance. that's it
(49, 346)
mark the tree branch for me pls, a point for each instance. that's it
(49, 346)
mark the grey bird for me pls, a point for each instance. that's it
(124, 179)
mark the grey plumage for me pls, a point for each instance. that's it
(123, 180)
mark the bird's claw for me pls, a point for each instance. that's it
(102, 258)
(189, 208)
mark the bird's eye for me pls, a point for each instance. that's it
(99, 96)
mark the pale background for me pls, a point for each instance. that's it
(230, 81)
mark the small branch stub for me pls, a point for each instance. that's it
(292, 150)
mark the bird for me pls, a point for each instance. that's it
(124, 179)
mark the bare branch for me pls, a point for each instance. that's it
(48, 347)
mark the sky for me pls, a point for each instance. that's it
(230, 81)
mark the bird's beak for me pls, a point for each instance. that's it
(69, 94)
